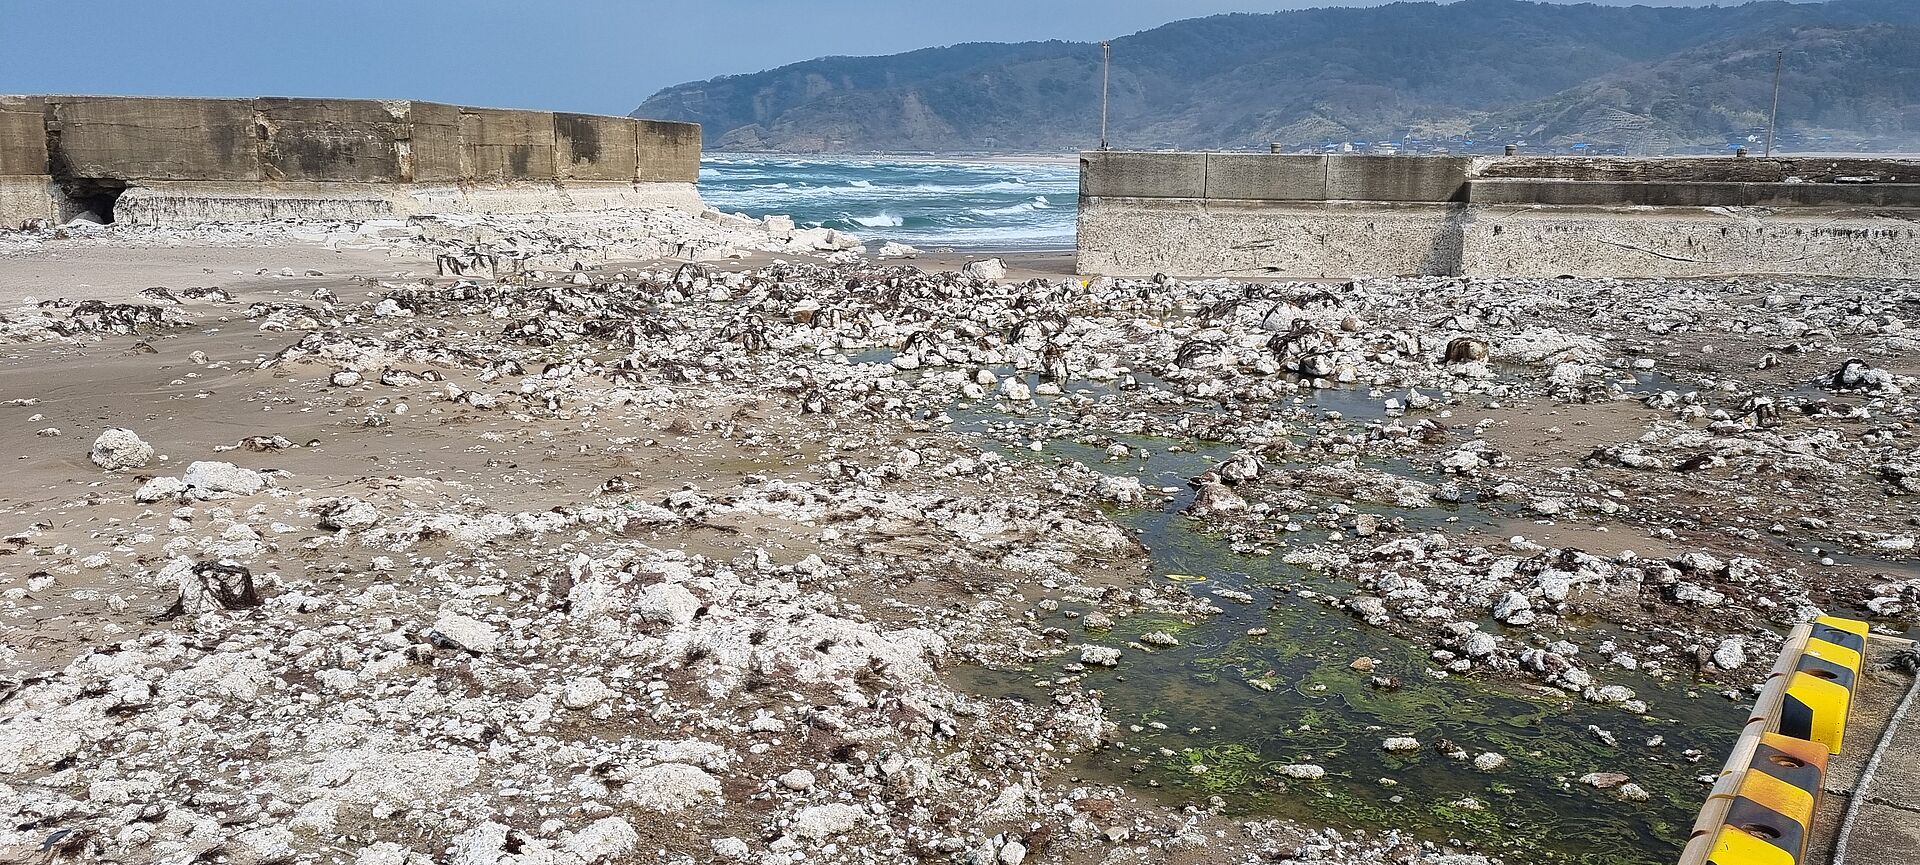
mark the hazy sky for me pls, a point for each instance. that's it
(575, 55)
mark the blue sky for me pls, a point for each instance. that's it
(585, 55)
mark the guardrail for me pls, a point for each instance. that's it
(1761, 810)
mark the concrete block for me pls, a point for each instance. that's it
(27, 199)
(433, 147)
(349, 140)
(595, 147)
(23, 136)
(1298, 239)
(667, 152)
(126, 138)
(501, 145)
(1258, 177)
(1117, 174)
(1397, 178)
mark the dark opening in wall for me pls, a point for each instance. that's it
(94, 195)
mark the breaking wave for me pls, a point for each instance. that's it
(932, 204)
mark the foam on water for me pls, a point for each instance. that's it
(931, 204)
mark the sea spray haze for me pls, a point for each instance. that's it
(926, 203)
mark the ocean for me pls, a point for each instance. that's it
(928, 203)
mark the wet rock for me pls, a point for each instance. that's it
(1514, 608)
(118, 448)
(1466, 349)
(1159, 638)
(1603, 780)
(1303, 771)
(1731, 654)
(1400, 744)
(1214, 498)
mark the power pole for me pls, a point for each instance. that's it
(1106, 74)
(1779, 61)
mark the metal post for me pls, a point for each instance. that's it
(1106, 73)
(1779, 60)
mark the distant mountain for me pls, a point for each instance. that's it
(1629, 79)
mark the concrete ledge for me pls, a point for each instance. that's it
(1397, 178)
(1602, 193)
(202, 202)
(1586, 241)
(1116, 174)
(1255, 177)
(1703, 169)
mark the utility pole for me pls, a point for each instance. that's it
(1106, 74)
(1779, 61)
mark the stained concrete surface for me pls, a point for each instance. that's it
(1886, 830)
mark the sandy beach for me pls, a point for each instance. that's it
(331, 553)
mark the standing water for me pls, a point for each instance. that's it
(1274, 707)
(933, 204)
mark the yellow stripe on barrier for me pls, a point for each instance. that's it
(1820, 689)
(1735, 847)
(1816, 710)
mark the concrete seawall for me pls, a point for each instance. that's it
(1219, 214)
(187, 161)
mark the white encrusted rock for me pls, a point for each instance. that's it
(821, 822)
(468, 632)
(670, 603)
(670, 787)
(217, 480)
(119, 448)
(990, 268)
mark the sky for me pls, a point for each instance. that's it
(604, 56)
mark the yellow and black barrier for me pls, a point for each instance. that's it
(1761, 808)
(1820, 691)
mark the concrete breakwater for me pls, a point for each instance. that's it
(187, 161)
(1221, 214)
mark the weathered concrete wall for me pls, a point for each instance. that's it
(1196, 214)
(196, 160)
(669, 152)
(1690, 241)
(592, 147)
(26, 189)
(502, 146)
(123, 138)
(1190, 237)
(332, 139)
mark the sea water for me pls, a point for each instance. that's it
(929, 203)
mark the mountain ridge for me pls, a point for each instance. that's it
(1551, 75)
